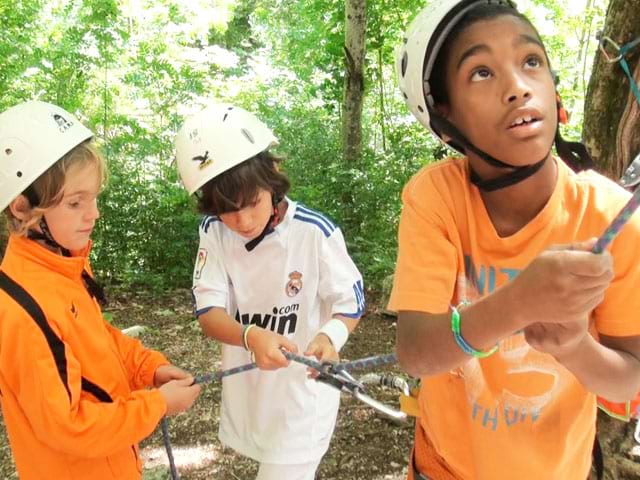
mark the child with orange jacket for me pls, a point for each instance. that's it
(73, 388)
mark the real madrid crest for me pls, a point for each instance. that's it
(294, 285)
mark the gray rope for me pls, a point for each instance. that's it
(368, 362)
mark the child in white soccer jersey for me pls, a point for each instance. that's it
(270, 274)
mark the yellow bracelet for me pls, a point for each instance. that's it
(245, 334)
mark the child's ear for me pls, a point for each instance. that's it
(20, 207)
(443, 110)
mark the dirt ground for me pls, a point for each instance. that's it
(365, 445)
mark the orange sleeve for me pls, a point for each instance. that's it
(141, 363)
(619, 313)
(427, 259)
(64, 417)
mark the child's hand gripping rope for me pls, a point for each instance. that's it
(336, 375)
(560, 339)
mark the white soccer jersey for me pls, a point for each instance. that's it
(291, 283)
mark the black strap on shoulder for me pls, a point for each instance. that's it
(598, 459)
(27, 302)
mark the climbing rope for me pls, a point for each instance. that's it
(334, 374)
(616, 225)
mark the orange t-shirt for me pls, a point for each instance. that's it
(518, 413)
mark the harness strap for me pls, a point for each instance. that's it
(28, 303)
(598, 459)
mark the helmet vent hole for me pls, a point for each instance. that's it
(403, 64)
(19, 174)
(8, 151)
(225, 117)
(405, 96)
(248, 135)
(420, 108)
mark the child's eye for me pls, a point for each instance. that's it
(480, 74)
(74, 204)
(533, 61)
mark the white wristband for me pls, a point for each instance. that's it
(337, 332)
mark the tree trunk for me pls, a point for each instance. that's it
(612, 114)
(354, 50)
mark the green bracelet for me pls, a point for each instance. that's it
(462, 343)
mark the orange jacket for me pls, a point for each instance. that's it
(72, 386)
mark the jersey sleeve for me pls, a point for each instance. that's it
(340, 281)
(210, 279)
(618, 314)
(61, 413)
(426, 268)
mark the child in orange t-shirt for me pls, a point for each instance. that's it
(510, 320)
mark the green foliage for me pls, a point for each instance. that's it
(364, 200)
(16, 48)
(148, 233)
(132, 70)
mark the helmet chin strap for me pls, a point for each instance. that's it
(45, 235)
(460, 143)
(274, 219)
(94, 288)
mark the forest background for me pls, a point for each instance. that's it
(319, 72)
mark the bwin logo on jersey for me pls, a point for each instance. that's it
(281, 320)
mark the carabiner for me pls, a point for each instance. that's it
(603, 40)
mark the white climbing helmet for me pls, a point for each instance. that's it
(421, 44)
(33, 136)
(217, 139)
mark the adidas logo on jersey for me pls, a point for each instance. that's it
(281, 320)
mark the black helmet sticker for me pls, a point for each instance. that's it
(248, 135)
(204, 160)
(63, 123)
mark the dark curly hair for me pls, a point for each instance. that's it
(238, 187)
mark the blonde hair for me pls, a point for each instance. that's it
(49, 186)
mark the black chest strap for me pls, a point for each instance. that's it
(27, 302)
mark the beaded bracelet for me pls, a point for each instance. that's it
(245, 334)
(462, 343)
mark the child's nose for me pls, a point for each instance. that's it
(243, 218)
(94, 212)
(516, 88)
